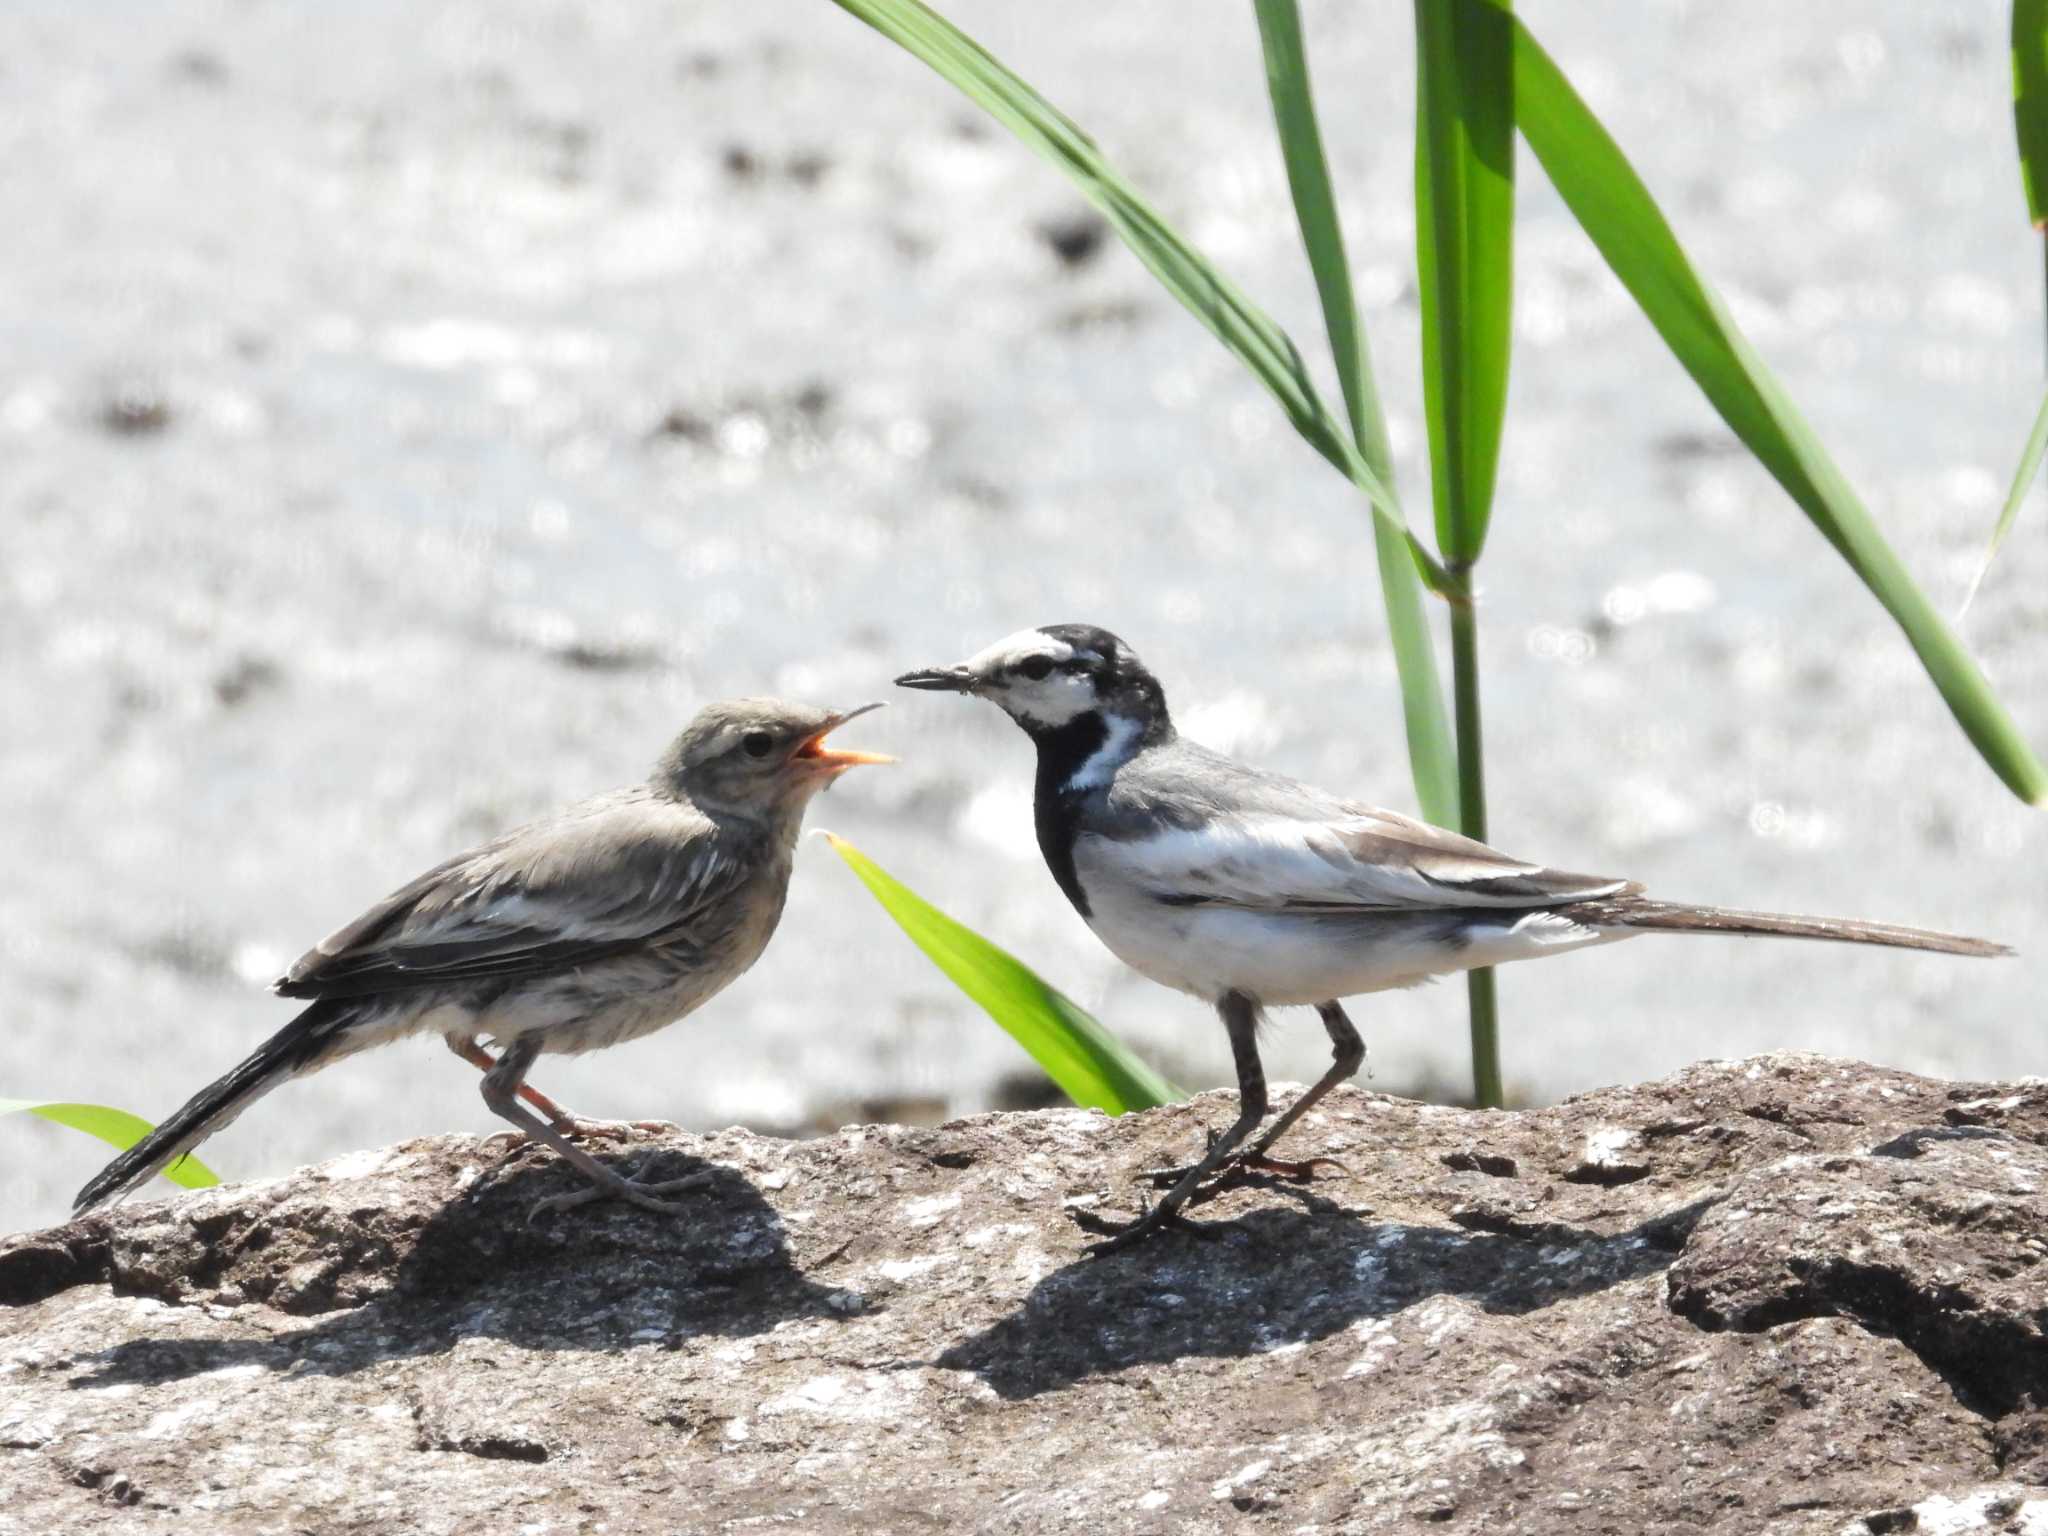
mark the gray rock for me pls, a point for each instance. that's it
(1789, 1294)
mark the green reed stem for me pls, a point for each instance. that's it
(1486, 1078)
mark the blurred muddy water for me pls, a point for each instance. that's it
(408, 414)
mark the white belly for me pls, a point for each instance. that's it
(602, 1005)
(1284, 958)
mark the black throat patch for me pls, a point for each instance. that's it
(1127, 695)
(1058, 805)
(1056, 812)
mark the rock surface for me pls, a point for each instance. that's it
(1789, 1294)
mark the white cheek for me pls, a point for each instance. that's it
(1053, 701)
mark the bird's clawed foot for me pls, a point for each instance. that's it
(1295, 1171)
(646, 1196)
(1166, 1178)
(576, 1128)
(1129, 1234)
(1237, 1170)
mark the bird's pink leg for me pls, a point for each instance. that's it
(568, 1124)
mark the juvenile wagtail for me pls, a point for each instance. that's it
(597, 925)
(1251, 890)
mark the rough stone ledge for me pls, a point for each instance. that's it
(1788, 1294)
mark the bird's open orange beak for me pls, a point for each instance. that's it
(815, 751)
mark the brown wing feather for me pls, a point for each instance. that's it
(1461, 866)
(634, 873)
(354, 938)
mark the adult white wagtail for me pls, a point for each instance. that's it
(1251, 890)
(597, 925)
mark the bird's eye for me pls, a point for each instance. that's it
(1035, 667)
(757, 743)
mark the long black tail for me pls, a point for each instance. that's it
(1676, 917)
(309, 1040)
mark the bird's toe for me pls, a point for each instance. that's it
(1295, 1172)
(565, 1202)
(1120, 1235)
(647, 1196)
(698, 1180)
(1225, 1177)
(1237, 1170)
(577, 1128)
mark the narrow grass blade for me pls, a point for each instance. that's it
(1212, 298)
(1315, 209)
(1432, 756)
(1091, 1066)
(1464, 235)
(2030, 102)
(117, 1128)
(2023, 477)
(1614, 207)
(1464, 239)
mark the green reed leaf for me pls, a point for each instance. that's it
(1091, 1066)
(1616, 210)
(1464, 235)
(2023, 477)
(1243, 328)
(2030, 102)
(1432, 756)
(116, 1127)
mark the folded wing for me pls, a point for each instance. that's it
(1362, 859)
(532, 902)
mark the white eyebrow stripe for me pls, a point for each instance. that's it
(1011, 649)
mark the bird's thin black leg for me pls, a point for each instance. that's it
(1347, 1053)
(501, 1095)
(1241, 1022)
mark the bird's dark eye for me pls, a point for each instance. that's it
(758, 743)
(1035, 667)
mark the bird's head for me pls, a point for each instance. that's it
(1048, 679)
(758, 757)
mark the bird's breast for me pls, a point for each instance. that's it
(626, 996)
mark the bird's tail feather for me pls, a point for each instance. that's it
(1645, 915)
(308, 1041)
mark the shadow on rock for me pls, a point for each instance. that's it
(601, 1277)
(1278, 1277)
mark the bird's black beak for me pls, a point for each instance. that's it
(939, 680)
